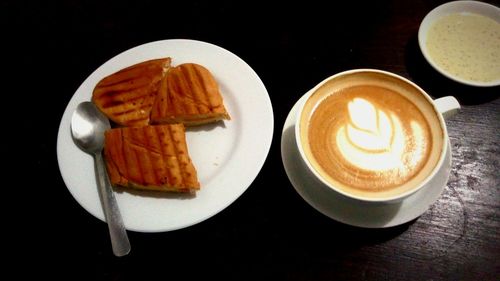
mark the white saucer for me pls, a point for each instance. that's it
(342, 209)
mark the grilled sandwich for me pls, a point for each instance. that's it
(190, 95)
(127, 96)
(150, 157)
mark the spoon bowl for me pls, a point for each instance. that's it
(88, 125)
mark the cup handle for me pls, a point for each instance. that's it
(448, 106)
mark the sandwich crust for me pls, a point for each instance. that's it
(190, 95)
(151, 158)
(142, 155)
(127, 96)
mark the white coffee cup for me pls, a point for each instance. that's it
(372, 136)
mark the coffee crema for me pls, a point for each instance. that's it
(371, 135)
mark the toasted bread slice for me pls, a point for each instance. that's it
(127, 96)
(190, 95)
(150, 157)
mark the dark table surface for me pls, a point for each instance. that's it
(270, 231)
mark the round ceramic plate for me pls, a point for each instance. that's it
(343, 210)
(227, 155)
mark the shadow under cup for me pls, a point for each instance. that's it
(371, 135)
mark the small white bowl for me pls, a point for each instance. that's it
(475, 7)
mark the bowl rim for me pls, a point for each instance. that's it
(438, 12)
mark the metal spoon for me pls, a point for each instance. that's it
(88, 125)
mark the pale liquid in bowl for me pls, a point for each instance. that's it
(467, 46)
(371, 135)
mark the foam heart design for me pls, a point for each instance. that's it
(373, 139)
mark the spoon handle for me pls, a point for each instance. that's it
(117, 232)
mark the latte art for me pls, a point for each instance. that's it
(370, 135)
(369, 128)
(376, 141)
(369, 138)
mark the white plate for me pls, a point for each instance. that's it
(228, 156)
(342, 209)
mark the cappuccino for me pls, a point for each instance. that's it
(371, 135)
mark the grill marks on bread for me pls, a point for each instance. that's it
(150, 157)
(190, 95)
(127, 96)
(152, 92)
(155, 157)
